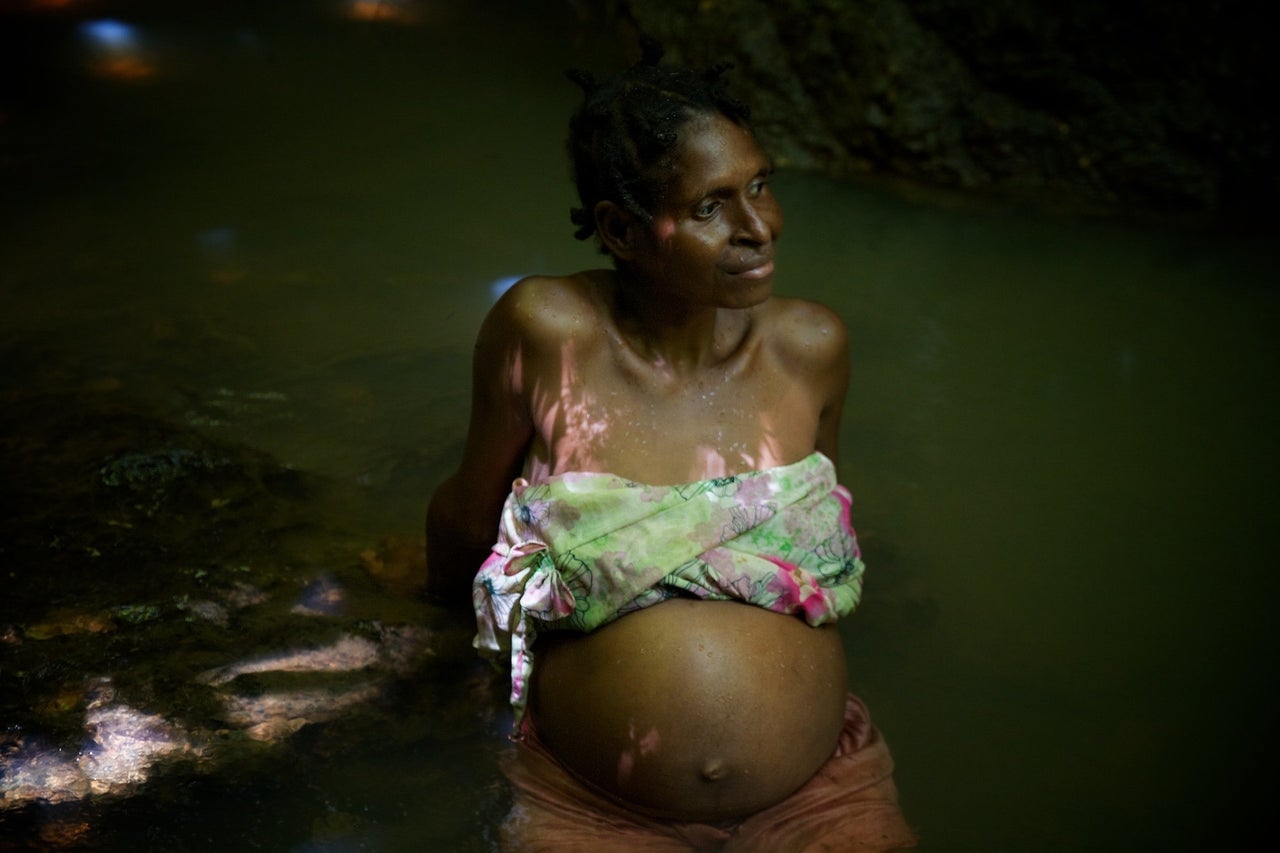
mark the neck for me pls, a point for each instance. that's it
(676, 335)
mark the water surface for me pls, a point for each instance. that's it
(281, 229)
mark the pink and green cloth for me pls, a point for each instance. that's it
(581, 549)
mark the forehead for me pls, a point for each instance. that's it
(713, 152)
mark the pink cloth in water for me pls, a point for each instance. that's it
(850, 804)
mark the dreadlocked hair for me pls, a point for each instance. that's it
(629, 124)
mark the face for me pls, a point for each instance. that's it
(711, 242)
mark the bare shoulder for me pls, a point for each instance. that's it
(810, 344)
(807, 335)
(548, 309)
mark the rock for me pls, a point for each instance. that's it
(1085, 105)
(274, 716)
(36, 771)
(398, 564)
(172, 601)
(122, 746)
(125, 743)
(321, 597)
(346, 655)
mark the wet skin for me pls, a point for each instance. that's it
(677, 366)
(696, 710)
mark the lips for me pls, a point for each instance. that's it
(756, 266)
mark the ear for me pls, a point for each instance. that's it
(618, 229)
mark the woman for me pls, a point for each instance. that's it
(675, 540)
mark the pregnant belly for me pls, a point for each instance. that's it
(693, 710)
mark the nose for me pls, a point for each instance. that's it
(759, 222)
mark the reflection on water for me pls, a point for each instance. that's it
(1059, 437)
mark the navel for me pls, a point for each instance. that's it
(713, 770)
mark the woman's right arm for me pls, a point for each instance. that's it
(462, 518)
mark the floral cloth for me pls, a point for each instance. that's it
(582, 549)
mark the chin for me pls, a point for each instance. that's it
(749, 294)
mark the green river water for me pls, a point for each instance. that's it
(282, 228)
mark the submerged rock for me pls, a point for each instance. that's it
(121, 746)
(32, 770)
(321, 597)
(172, 604)
(125, 743)
(276, 715)
(347, 654)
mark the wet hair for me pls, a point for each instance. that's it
(626, 130)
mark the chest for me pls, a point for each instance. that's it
(657, 429)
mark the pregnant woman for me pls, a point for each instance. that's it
(653, 447)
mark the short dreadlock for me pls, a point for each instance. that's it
(629, 124)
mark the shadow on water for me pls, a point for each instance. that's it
(243, 262)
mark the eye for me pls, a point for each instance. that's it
(706, 209)
(758, 186)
